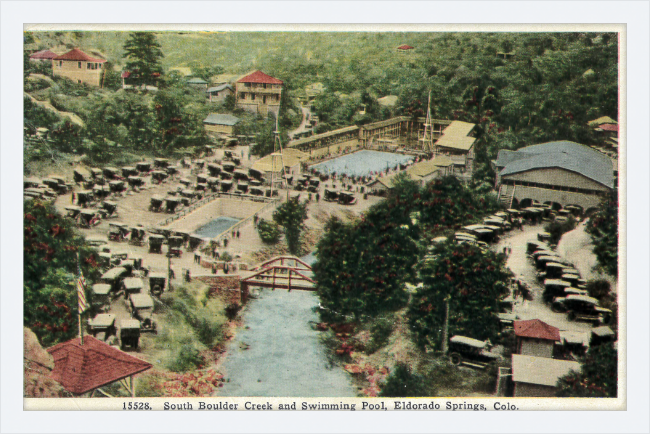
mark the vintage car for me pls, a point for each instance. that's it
(85, 198)
(101, 296)
(135, 181)
(158, 176)
(117, 231)
(582, 308)
(110, 173)
(346, 198)
(226, 185)
(114, 278)
(110, 208)
(102, 327)
(256, 191)
(171, 203)
(157, 283)
(117, 186)
(155, 243)
(138, 235)
(132, 285)
(143, 167)
(225, 176)
(229, 166)
(175, 244)
(72, 211)
(88, 218)
(161, 162)
(81, 175)
(194, 242)
(214, 169)
(470, 352)
(141, 307)
(555, 288)
(240, 174)
(129, 334)
(243, 187)
(601, 335)
(330, 195)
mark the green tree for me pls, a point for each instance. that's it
(402, 383)
(362, 266)
(143, 54)
(598, 377)
(291, 215)
(471, 281)
(603, 228)
(51, 245)
(269, 231)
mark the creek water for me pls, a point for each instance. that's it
(278, 353)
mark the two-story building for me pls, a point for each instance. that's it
(259, 93)
(457, 141)
(79, 67)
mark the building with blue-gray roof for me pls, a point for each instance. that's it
(220, 124)
(559, 173)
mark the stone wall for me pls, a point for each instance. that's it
(226, 287)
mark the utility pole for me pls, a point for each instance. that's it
(427, 136)
(445, 329)
(169, 270)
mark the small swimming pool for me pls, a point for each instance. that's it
(362, 163)
(216, 227)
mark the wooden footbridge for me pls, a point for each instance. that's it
(282, 272)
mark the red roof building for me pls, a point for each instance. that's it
(82, 368)
(259, 77)
(405, 47)
(77, 55)
(43, 55)
(609, 127)
(259, 93)
(79, 67)
(536, 338)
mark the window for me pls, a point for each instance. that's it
(253, 96)
(264, 85)
(247, 84)
(79, 64)
(264, 98)
(242, 95)
(60, 63)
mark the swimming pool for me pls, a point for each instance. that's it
(362, 163)
(216, 227)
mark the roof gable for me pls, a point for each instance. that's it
(456, 136)
(43, 54)
(566, 155)
(81, 368)
(536, 329)
(259, 77)
(219, 88)
(221, 119)
(540, 370)
(77, 54)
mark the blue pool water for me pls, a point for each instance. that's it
(215, 227)
(362, 163)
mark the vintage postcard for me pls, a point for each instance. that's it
(219, 218)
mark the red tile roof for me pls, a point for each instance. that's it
(77, 54)
(405, 47)
(43, 54)
(537, 329)
(81, 368)
(126, 74)
(259, 77)
(608, 127)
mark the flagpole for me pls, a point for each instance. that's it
(81, 333)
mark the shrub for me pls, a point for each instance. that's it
(557, 229)
(269, 231)
(186, 358)
(232, 310)
(598, 288)
(380, 331)
(403, 383)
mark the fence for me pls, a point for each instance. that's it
(271, 204)
(210, 198)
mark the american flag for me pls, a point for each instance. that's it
(81, 292)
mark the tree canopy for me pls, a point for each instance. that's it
(143, 54)
(472, 281)
(291, 215)
(603, 228)
(598, 377)
(50, 253)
